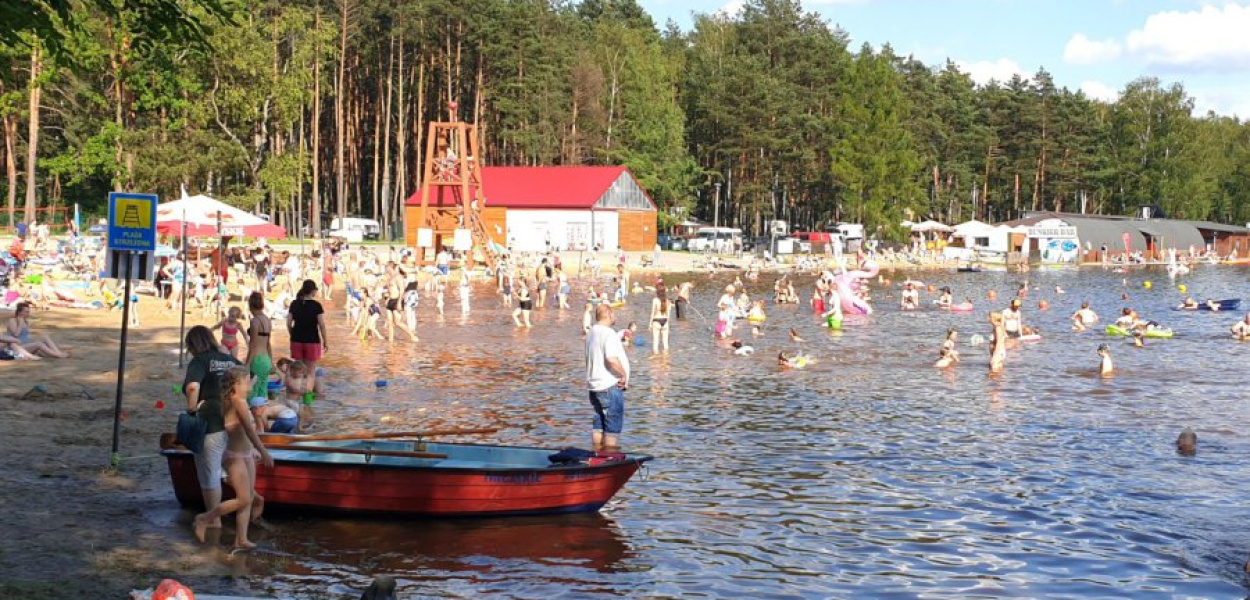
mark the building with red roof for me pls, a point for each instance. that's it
(532, 209)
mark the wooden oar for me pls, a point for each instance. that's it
(278, 438)
(332, 450)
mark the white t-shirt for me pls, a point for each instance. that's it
(293, 267)
(603, 343)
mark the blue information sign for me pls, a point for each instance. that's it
(132, 222)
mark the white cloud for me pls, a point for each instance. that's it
(983, 71)
(1227, 101)
(1210, 39)
(732, 8)
(1100, 91)
(1084, 51)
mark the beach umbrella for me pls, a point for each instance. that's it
(201, 214)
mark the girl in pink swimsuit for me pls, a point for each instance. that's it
(230, 327)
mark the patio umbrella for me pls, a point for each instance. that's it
(201, 217)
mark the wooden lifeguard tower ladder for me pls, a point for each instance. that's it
(452, 197)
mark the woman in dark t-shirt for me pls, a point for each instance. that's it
(306, 322)
(202, 387)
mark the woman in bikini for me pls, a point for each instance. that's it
(240, 463)
(521, 316)
(259, 354)
(659, 320)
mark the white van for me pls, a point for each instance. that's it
(716, 239)
(355, 230)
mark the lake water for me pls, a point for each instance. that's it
(869, 474)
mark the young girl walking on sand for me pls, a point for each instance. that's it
(240, 464)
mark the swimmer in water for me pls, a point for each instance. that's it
(1083, 318)
(1189, 304)
(788, 361)
(945, 359)
(948, 345)
(1139, 338)
(1241, 329)
(756, 331)
(794, 336)
(1104, 366)
(998, 344)
(741, 349)
(1059, 290)
(945, 300)
(911, 297)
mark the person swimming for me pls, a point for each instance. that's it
(1104, 366)
(948, 345)
(945, 359)
(1241, 329)
(741, 349)
(945, 300)
(786, 360)
(794, 335)
(1083, 318)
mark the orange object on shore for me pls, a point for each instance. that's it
(172, 590)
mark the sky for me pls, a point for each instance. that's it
(1096, 46)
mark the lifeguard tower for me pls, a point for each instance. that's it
(452, 198)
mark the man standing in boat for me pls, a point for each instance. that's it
(607, 376)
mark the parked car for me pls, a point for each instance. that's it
(669, 241)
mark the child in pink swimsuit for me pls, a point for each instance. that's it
(230, 327)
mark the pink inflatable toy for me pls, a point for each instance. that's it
(848, 289)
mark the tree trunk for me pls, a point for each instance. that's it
(10, 163)
(315, 125)
(419, 166)
(401, 141)
(32, 140)
(386, 141)
(340, 116)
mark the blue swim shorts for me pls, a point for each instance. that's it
(284, 425)
(609, 407)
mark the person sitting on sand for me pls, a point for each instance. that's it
(1083, 318)
(1104, 366)
(38, 344)
(273, 418)
(1241, 329)
(240, 464)
(13, 348)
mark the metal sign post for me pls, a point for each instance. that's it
(131, 251)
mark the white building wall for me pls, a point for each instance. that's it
(529, 229)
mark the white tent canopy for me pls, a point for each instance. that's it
(201, 214)
(973, 228)
(930, 226)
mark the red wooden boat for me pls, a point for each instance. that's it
(421, 479)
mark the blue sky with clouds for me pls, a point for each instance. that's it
(1094, 45)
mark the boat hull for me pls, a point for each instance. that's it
(301, 485)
